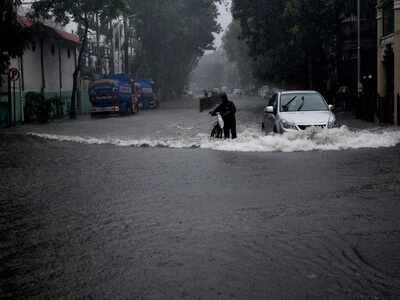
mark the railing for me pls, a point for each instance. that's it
(4, 111)
(367, 107)
(398, 109)
(385, 109)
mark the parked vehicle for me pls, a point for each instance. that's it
(145, 93)
(291, 111)
(113, 95)
(264, 91)
(237, 92)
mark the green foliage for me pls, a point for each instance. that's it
(171, 37)
(37, 108)
(57, 107)
(238, 52)
(82, 12)
(79, 11)
(13, 35)
(290, 40)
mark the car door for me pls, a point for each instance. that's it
(269, 118)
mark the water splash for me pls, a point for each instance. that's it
(252, 140)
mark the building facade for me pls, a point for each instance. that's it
(108, 50)
(47, 67)
(349, 44)
(388, 20)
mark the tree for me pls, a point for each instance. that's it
(82, 12)
(14, 36)
(171, 36)
(238, 53)
(292, 40)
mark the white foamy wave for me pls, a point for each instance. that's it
(167, 143)
(251, 140)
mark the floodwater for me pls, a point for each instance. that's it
(82, 220)
(186, 128)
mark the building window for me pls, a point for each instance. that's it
(33, 46)
(69, 53)
(53, 50)
(388, 17)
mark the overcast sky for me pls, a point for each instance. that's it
(224, 19)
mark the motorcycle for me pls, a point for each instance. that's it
(218, 128)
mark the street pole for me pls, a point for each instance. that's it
(9, 100)
(14, 105)
(126, 46)
(358, 49)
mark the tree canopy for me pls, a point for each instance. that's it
(82, 12)
(172, 36)
(237, 52)
(169, 36)
(14, 36)
(291, 40)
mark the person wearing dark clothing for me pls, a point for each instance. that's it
(227, 110)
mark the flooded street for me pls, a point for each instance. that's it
(175, 127)
(116, 183)
(148, 207)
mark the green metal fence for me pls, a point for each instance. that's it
(83, 105)
(3, 113)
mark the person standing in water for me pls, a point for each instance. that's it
(227, 109)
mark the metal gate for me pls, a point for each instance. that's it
(398, 109)
(5, 102)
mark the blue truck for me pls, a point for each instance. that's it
(121, 94)
(145, 94)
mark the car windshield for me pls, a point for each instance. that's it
(302, 102)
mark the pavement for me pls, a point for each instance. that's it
(81, 221)
(348, 119)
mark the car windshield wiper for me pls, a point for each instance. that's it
(286, 106)
(302, 104)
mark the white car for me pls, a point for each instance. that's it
(291, 111)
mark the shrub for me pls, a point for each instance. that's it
(57, 106)
(37, 108)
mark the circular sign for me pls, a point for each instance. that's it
(13, 74)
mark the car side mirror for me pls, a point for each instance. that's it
(269, 110)
(331, 107)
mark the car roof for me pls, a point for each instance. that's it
(299, 92)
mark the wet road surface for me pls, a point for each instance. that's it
(82, 221)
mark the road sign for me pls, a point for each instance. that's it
(13, 74)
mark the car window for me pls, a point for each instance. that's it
(302, 102)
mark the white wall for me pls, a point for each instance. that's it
(32, 67)
(67, 67)
(51, 67)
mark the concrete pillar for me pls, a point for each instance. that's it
(381, 84)
(396, 50)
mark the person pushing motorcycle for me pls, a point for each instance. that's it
(227, 109)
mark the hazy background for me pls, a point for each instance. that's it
(224, 19)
